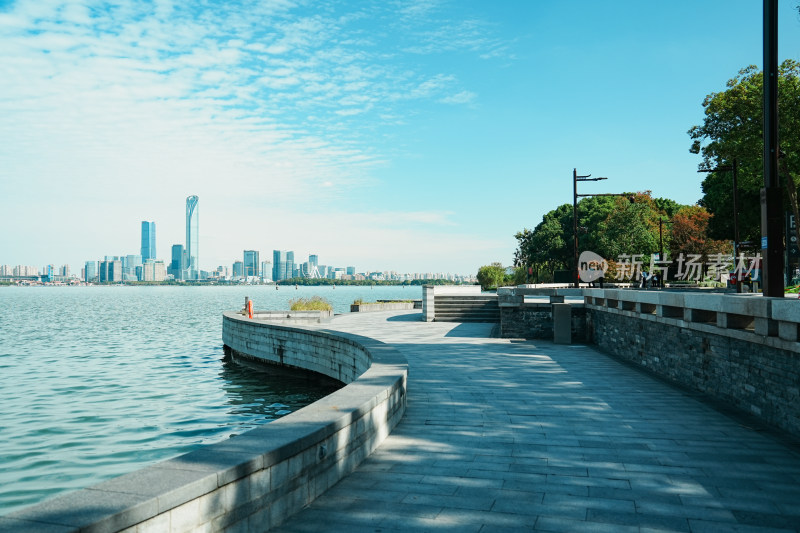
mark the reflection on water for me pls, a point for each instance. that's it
(260, 392)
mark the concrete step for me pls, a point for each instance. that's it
(464, 314)
(465, 319)
(465, 298)
(472, 308)
(462, 306)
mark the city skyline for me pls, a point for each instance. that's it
(416, 134)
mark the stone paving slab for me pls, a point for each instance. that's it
(508, 436)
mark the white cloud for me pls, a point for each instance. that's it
(140, 102)
(463, 97)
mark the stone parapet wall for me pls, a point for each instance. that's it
(254, 481)
(295, 318)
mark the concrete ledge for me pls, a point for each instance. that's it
(294, 317)
(254, 481)
(382, 306)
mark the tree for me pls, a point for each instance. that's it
(631, 228)
(733, 129)
(690, 234)
(607, 225)
(490, 276)
(545, 248)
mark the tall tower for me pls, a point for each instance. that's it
(278, 265)
(148, 240)
(192, 238)
(251, 263)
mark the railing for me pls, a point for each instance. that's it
(773, 321)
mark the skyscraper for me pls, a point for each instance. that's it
(251, 263)
(238, 269)
(90, 271)
(192, 238)
(148, 240)
(177, 266)
(278, 265)
(290, 268)
(110, 270)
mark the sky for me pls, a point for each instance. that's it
(416, 136)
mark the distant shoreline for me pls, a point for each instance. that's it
(204, 283)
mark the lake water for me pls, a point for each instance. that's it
(99, 381)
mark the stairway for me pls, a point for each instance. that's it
(472, 308)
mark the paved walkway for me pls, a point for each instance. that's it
(506, 436)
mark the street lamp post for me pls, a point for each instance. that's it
(771, 194)
(575, 179)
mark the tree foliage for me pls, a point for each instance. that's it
(490, 276)
(689, 234)
(733, 129)
(607, 225)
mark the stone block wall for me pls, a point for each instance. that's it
(535, 321)
(527, 322)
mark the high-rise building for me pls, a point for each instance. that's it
(290, 266)
(351, 271)
(279, 265)
(148, 240)
(131, 264)
(238, 269)
(153, 270)
(90, 271)
(192, 238)
(110, 271)
(251, 263)
(266, 270)
(177, 265)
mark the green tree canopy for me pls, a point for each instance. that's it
(607, 225)
(733, 129)
(490, 276)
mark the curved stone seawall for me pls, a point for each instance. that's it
(254, 481)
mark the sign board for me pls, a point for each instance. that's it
(791, 236)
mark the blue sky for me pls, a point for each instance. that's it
(408, 135)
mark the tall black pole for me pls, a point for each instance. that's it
(771, 197)
(575, 276)
(736, 218)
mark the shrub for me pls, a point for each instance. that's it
(315, 303)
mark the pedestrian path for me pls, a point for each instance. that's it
(506, 436)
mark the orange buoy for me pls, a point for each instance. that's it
(249, 308)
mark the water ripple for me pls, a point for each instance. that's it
(99, 381)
